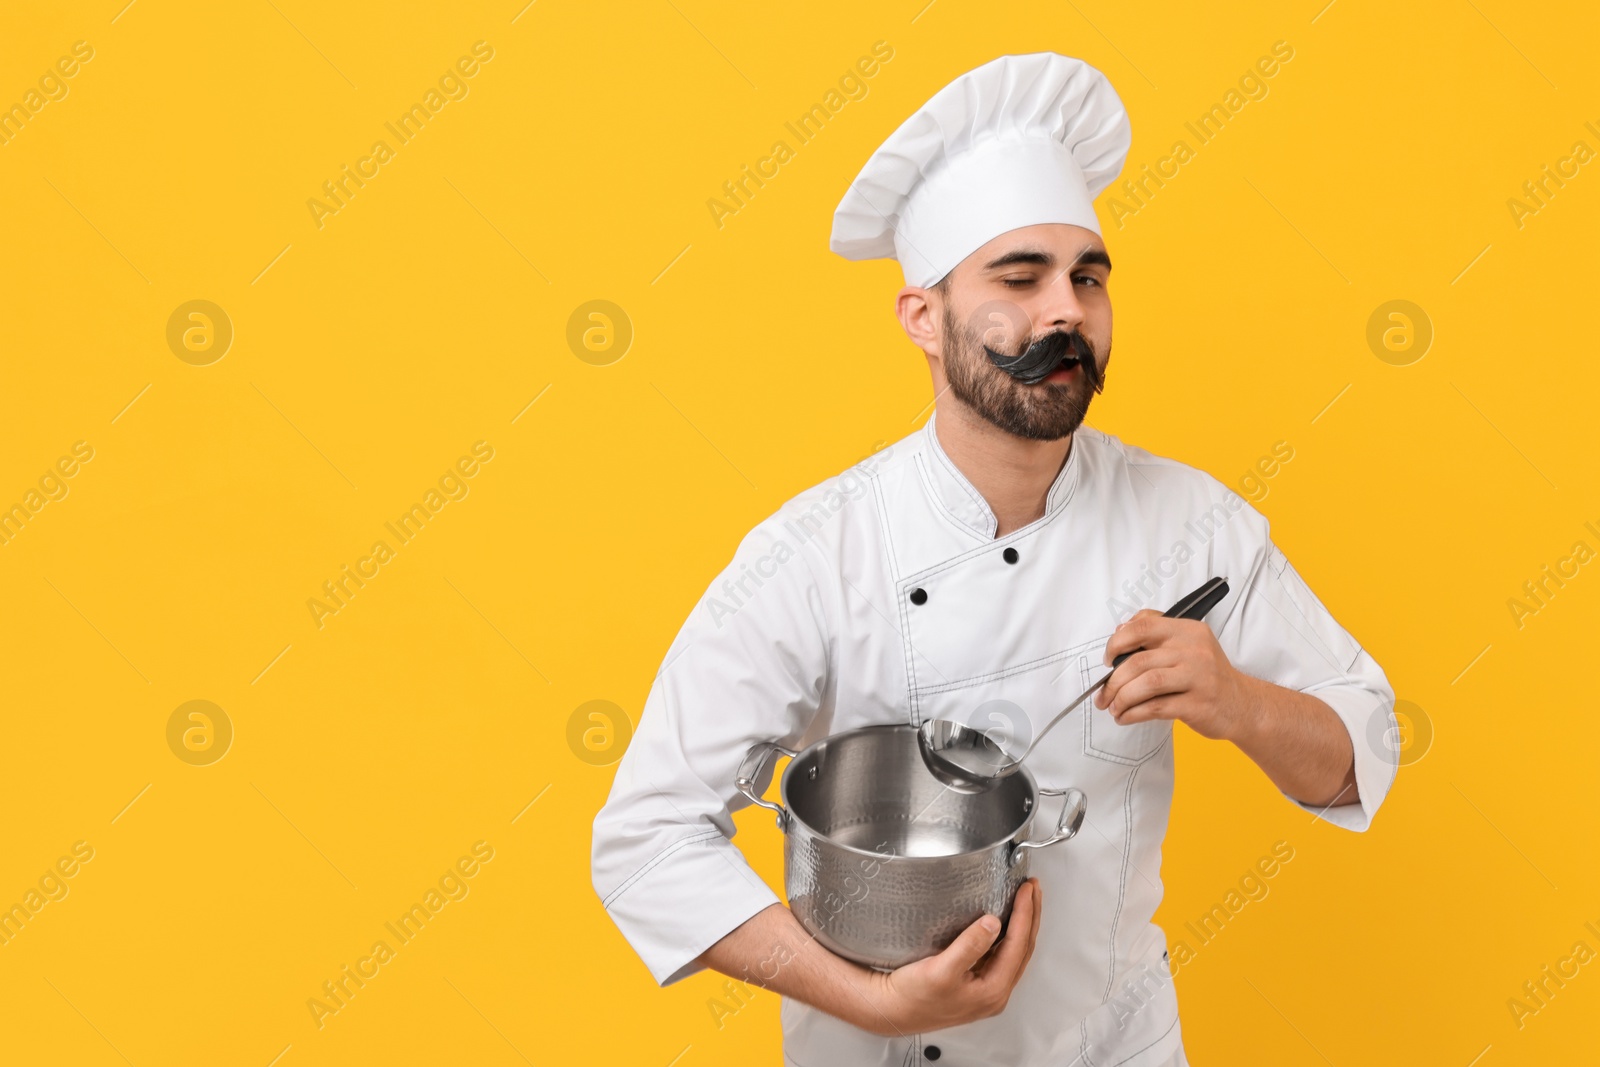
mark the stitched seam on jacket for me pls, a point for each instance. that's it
(1089, 748)
(1310, 635)
(1122, 883)
(1067, 482)
(1151, 1045)
(940, 507)
(1015, 536)
(655, 861)
(910, 654)
(909, 651)
(1043, 661)
(1311, 629)
(829, 637)
(965, 486)
(888, 531)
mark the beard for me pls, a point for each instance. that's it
(996, 385)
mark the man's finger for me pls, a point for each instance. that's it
(1005, 948)
(967, 949)
(1131, 668)
(1152, 682)
(1032, 939)
(1126, 635)
(1038, 910)
(1146, 629)
(1018, 943)
(1149, 711)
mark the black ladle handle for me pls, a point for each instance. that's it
(1194, 606)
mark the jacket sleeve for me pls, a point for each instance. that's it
(1279, 631)
(749, 665)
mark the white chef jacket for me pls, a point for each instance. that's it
(812, 630)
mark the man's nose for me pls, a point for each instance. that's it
(1061, 309)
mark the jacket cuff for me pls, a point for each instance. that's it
(1369, 718)
(687, 898)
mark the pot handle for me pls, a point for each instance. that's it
(1073, 809)
(750, 770)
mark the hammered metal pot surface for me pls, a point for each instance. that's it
(883, 864)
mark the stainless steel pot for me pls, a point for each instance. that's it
(883, 864)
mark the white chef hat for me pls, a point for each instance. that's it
(1019, 141)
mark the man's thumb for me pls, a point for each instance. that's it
(967, 949)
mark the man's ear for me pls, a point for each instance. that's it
(920, 311)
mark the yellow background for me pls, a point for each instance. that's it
(427, 714)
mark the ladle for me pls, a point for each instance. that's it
(969, 761)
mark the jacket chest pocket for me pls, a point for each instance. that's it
(1104, 737)
(1012, 705)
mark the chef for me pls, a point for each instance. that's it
(987, 569)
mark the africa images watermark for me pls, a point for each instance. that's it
(1143, 591)
(1144, 985)
(737, 994)
(339, 591)
(452, 85)
(52, 87)
(52, 485)
(1538, 192)
(1253, 886)
(52, 886)
(338, 992)
(1252, 86)
(1537, 993)
(852, 85)
(736, 592)
(1538, 592)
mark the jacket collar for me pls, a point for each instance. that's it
(960, 499)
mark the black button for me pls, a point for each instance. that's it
(1010, 555)
(919, 596)
(932, 1052)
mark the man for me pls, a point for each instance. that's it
(989, 567)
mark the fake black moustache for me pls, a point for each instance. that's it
(1047, 355)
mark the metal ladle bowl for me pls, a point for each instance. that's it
(968, 760)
